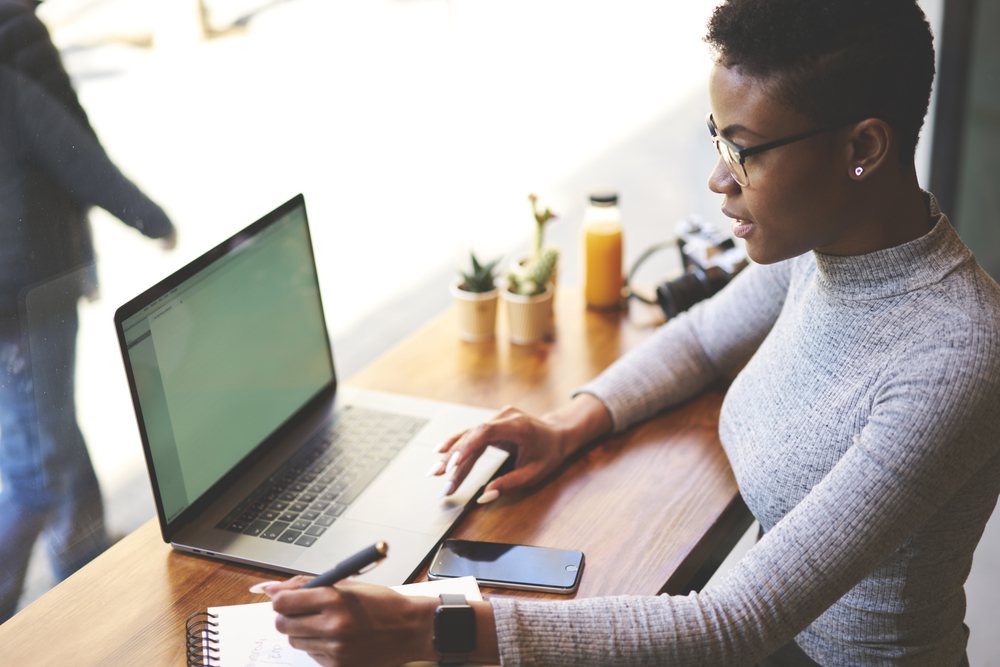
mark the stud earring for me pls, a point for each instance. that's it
(858, 171)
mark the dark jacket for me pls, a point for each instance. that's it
(25, 45)
(47, 157)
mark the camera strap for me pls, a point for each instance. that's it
(646, 254)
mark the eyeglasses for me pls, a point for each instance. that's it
(736, 156)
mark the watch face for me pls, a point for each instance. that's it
(454, 630)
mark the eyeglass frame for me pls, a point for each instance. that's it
(743, 153)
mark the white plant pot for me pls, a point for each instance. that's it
(530, 318)
(477, 313)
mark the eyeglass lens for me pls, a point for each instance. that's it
(732, 162)
(728, 155)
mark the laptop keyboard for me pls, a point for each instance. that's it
(309, 492)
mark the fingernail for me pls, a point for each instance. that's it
(488, 497)
(440, 448)
(258, 588)
(435, 469)
(448, 489)
(453, 462)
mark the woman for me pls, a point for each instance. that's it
(859, 424)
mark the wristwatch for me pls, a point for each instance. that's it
(454, 629)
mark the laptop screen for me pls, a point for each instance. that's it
(225, 352)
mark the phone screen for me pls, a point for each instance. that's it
(509, 565)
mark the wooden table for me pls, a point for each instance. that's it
(654, 509)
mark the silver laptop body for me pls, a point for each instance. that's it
(232, 379)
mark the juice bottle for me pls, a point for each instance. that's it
(602, 252)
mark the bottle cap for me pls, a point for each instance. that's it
(604, 198)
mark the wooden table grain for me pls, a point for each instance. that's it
(653, 509)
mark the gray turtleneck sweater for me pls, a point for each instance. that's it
(863, 427)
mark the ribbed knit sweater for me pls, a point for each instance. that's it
(863, 428)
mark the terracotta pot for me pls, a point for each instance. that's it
(530, 318)
(477, 313)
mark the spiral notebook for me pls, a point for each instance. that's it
(244, 634)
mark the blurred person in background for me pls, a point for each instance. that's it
(52, 170)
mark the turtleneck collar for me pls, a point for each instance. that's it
(897, 270)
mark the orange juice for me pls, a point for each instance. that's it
(602, 253)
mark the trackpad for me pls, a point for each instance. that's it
(403, 496)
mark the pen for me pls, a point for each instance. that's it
(351, 566)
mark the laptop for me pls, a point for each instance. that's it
(254, 452)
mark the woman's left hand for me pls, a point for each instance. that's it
(354, 623)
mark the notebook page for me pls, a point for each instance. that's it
(248, 638)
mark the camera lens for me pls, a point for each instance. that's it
(676, 296)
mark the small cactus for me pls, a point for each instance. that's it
(542, 217)
(481, 278)
(533, 278)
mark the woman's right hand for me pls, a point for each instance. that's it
(538, 445)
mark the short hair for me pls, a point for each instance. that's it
(834, 60)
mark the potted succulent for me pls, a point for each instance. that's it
(528, 294)
(475, 294)
(542, 218)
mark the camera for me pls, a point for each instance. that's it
(710, 259)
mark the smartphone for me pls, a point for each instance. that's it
(509, 565)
